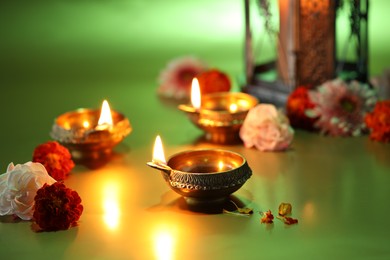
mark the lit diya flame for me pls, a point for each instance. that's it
(158, 152)
(195, 94)
(105, 119)
(158, 161)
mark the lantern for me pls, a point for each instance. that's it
(316, 40)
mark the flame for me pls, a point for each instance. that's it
(105, 115)
(233, 108)
(195, 94)
(158, 151)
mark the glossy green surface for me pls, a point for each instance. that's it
(62, 55)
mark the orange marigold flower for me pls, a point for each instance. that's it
(56, 159)
(213, 80)
(57, 207)
(378, 121)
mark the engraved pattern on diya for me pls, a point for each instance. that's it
(87, 141)
(206, 176)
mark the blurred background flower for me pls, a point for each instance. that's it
(340, 107)
(175, 79)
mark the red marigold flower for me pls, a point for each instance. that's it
(297, 103)
(57, 207)
(378, 121)
(213, 80)
(56, 159)
(267, 217)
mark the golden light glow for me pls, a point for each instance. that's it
(86, 124)
(158, 152)
(164, 242)
(105, 115)
(195, 94)
(220, 166)
(233, 108)
(111, 206)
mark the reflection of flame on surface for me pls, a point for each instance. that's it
(195, 94)
(164, 244)
(111, 206)
(158, 151)
(105, 115)
(309, 211)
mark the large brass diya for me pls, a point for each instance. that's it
(87, 141)
(221, 115)
(205, 177)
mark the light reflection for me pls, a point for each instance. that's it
(233, 108)
(220, 166)
(164, 242)
(111, 206)
(309, 212)
(86, 124)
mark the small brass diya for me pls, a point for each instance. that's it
(220, 114)
(204, 177)
(86, 140)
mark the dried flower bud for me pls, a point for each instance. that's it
(290, 221)
(267, 217)
(285, 209)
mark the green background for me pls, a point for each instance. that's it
(91, 40)
(56, 55)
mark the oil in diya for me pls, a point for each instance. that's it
(91, 134)
(205, 177)
(220, 115)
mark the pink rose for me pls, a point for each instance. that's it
(18, 187)
(267, 129)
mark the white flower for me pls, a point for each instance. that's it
(267, 129)
(18, 187)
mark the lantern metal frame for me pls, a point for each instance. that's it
(276, 92)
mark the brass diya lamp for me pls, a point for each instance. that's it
(220, 115)
(204, 177)
(90, 135)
